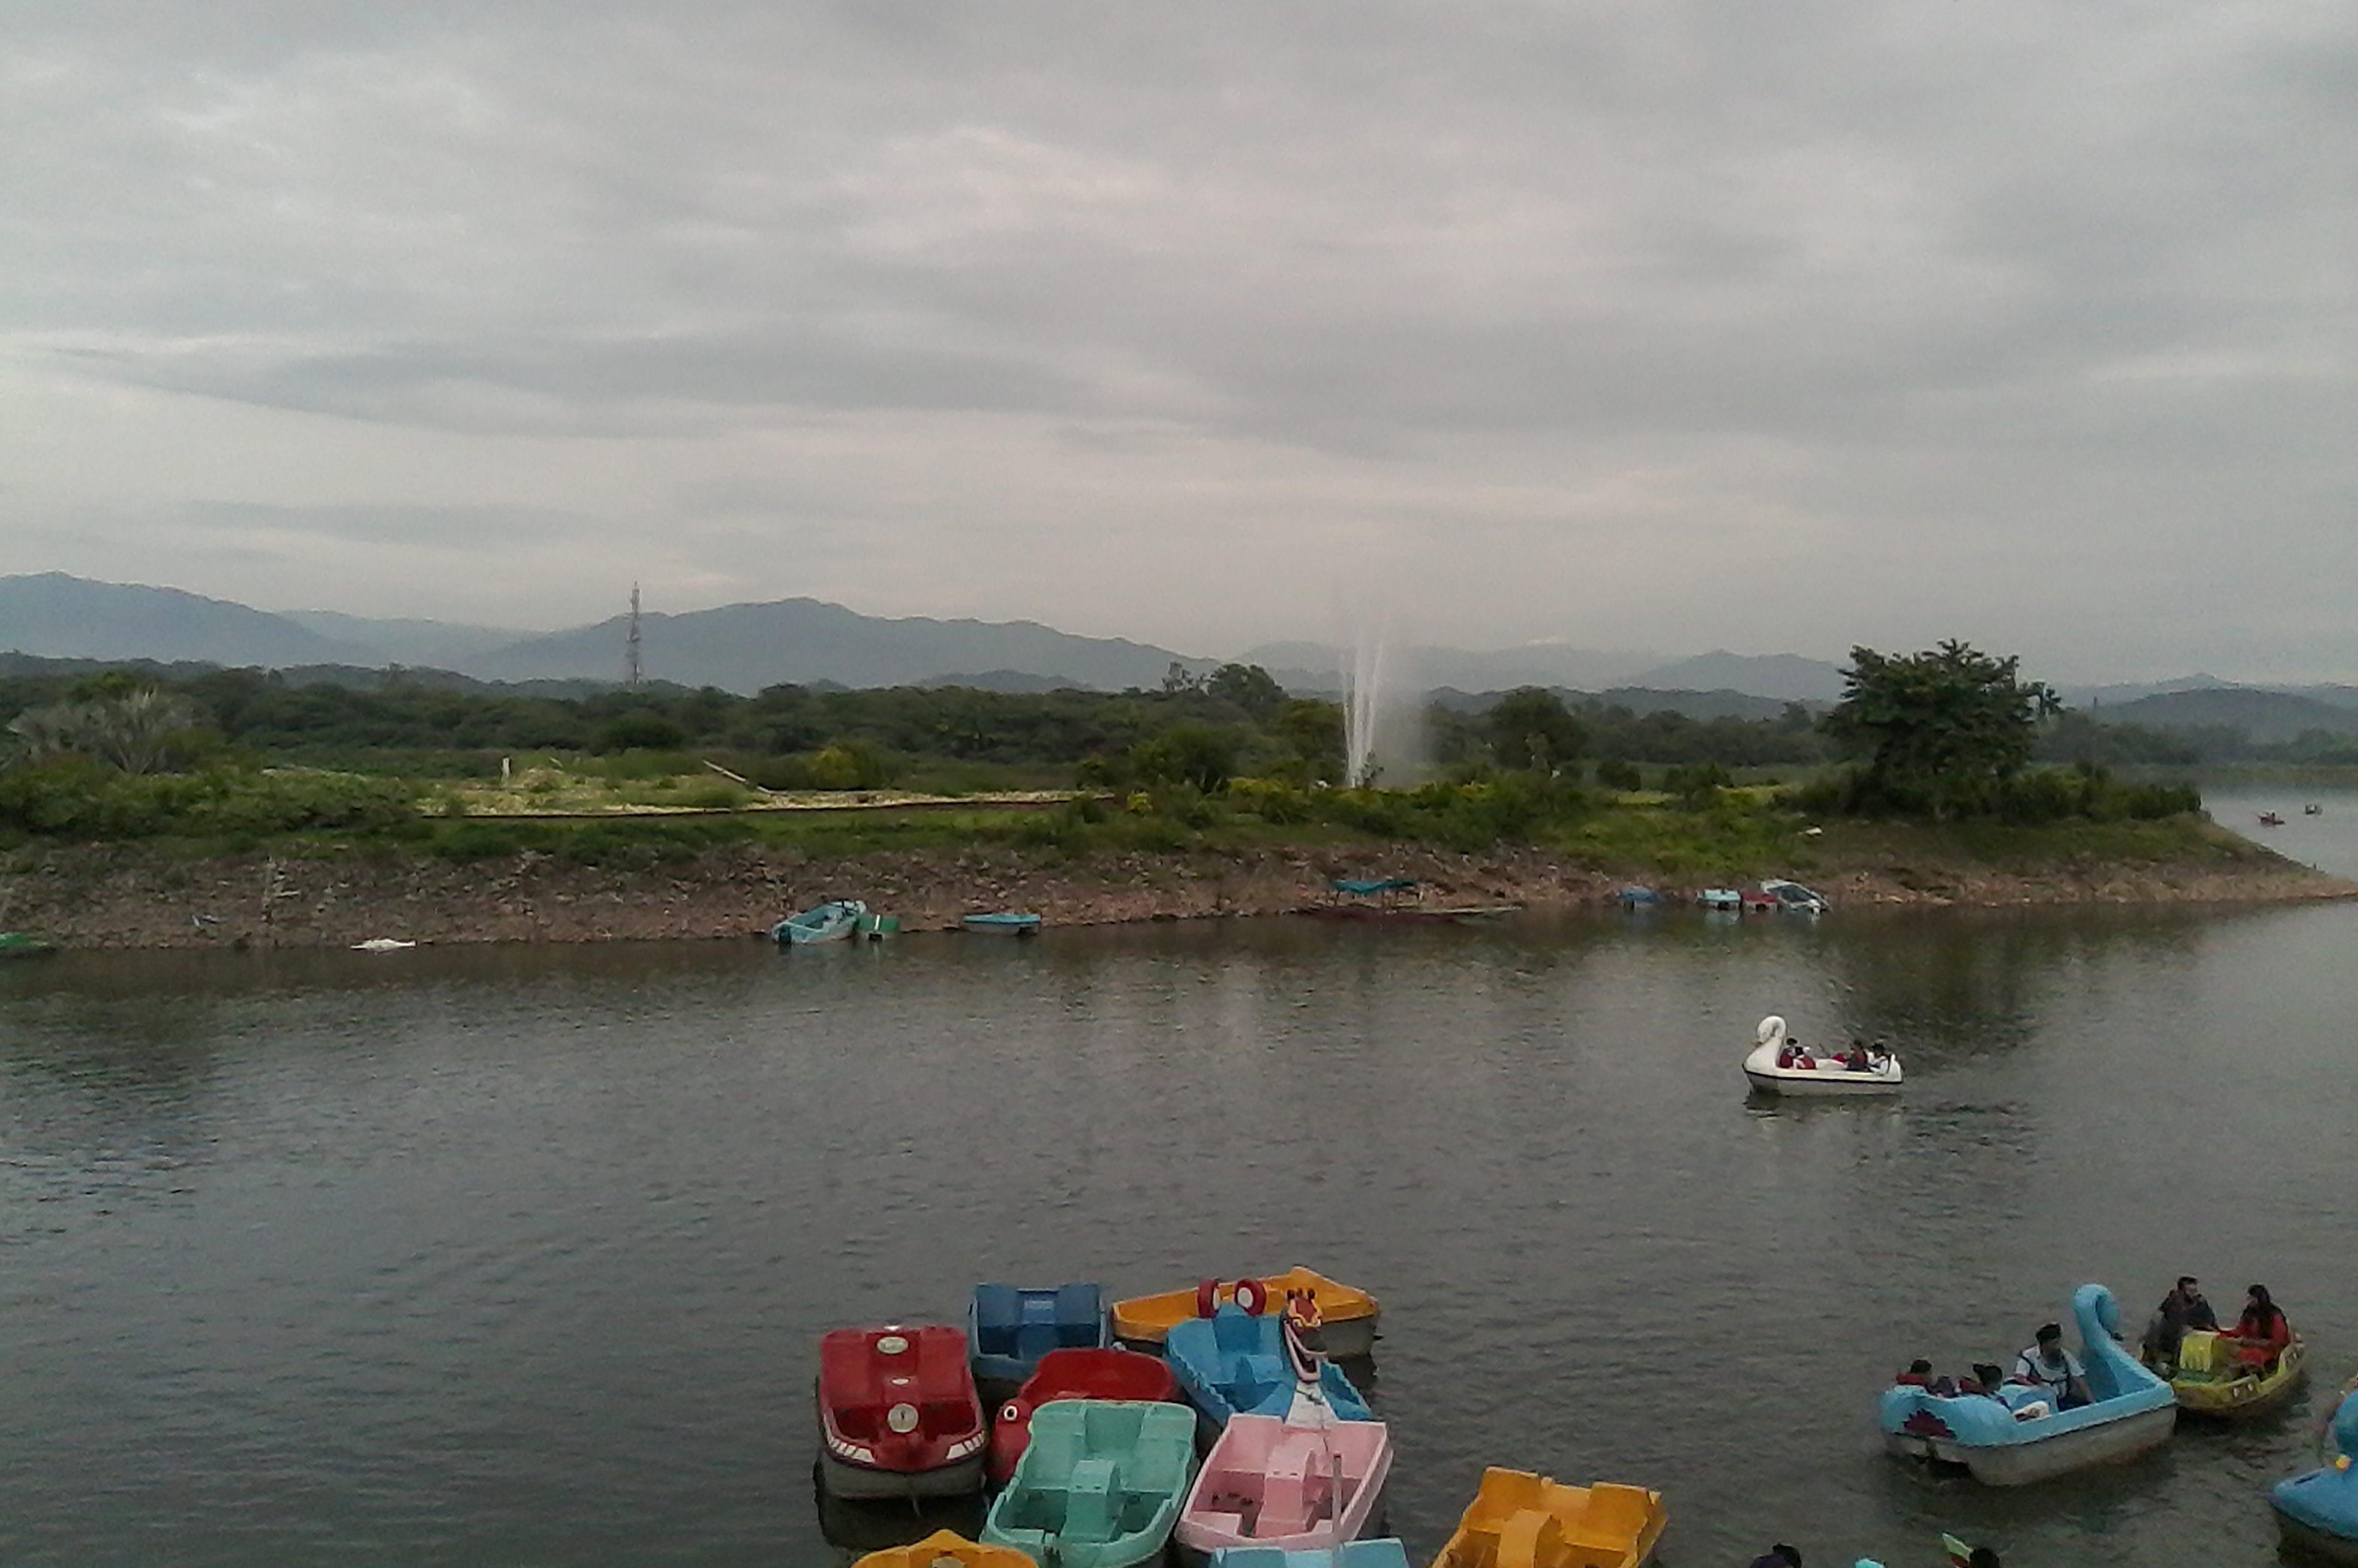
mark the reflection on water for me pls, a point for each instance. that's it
(521, 1255)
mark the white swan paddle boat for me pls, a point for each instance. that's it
(1773, 1069)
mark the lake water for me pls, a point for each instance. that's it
(521, 1256)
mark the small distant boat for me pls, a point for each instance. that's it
(1395, 899)
(18, 945)
(2015, 1436)
(898, 1414)
(1518, 1517)
(2271, 819)
(1793, 897)
(2316, 1513)
(945, 1549)
(2208, 1380)
(1267, 1483)
(1100, 1485)
(1349, 1317)
(1720, 898)
(1772, 1068)
(1005, 923)
(834, 921)
(1239, 1361)
(1636, 897)
(2312, 809)
(1010, 1327)
(1108, 1373)
(381, 945)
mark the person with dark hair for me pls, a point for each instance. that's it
(1983, 1557)
(2055, 1369)
(1778, 1556)
(2183, 1308)
(2261, 1331)
(1918, 1375)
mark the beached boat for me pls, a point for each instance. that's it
(1268, 1483)
(898, 1414)
(1010, 1327)
(1002, 923)
(2209, 1379)
(945, 1549)
(2013, 1434)
(1772, 1070)
(1111, 1373)
(1519, 1520)
(2271, 819)
(1396, 898)
(1349, 1317)
(1387, 1552)
(1720, 898)
(1237, 1361)
(2318, 1512)
(1792, 896)
(18, 945)
(838, 920)
(1100, 1485)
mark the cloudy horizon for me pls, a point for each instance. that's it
(1663, 328)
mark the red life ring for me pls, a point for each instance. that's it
(1208, 1298)
(1252, 1296)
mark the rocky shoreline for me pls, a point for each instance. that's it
(117, 897)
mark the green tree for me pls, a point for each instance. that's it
(133, 728)
(1941, 731)
(1532, 729)
(1249, 686)
(1195, 754)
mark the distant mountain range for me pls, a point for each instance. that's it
(806, 642)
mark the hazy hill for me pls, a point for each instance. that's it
(60, 617)
(1786, 676)
(440, 644)
(2267, 717)
(1317, 666)
(744, 647)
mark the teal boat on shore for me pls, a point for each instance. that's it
(838, 920)
(1002, 923)
(18, 945)
(1100, 1486)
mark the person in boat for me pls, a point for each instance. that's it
(2261, 1332)
(2183, 1308)
(2055, 1369)
(1918, 1375)
(1857, 1058)
(1878, 1056)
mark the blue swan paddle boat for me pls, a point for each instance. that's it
(2318, 1513)
(2014, 1435)
(1012, 1326)
(1241, 1360)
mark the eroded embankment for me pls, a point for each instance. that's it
(118, 896)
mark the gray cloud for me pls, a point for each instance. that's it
(1673, 309)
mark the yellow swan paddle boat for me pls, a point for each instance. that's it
(1347, 1317)
(1521, 1520)
(945, 1549)
(2208, 1380)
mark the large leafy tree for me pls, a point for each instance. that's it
(1942, 730)
(1530, 727)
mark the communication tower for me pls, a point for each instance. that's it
(632, 674)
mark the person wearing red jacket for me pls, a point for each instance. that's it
(2262, 1333)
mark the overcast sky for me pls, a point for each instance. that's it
(1661, 325)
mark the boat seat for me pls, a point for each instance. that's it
(1093, 1501)
(2198, 1351)
(1617, 1515)
(1294, 1487)
(1529, 1538)
(1080, 1314)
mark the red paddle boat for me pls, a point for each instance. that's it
(898, 1414)
(1075, 1374)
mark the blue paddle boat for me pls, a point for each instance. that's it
(2013, 1434)
(2318, 1513)
(1384, 1553)
(1098, 1487)
(834, 921)
(1002, 923)
(1012, 1326)
(1240, 1361)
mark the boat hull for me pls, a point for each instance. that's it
(945, 1546)
(1844, 1085)
(959, 1479)
(2020, 1464)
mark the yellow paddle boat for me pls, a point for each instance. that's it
(1347, 1317)
(2208, 1380)
(945, 1549)
(1521, 1520)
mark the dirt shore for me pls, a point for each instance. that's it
(123, 897)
